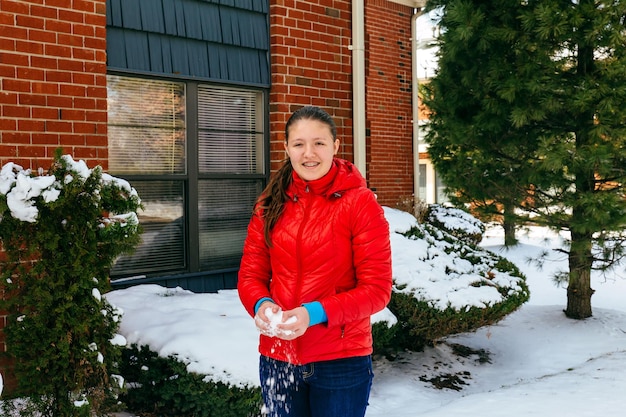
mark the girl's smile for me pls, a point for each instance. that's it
(311, 148)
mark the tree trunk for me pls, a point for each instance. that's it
(579, 290)
(509, 225)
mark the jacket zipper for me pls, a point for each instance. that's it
(305, 217)
(298, 292)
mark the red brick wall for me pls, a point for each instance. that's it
(53, 87)
(53, 79)
(388, 104)
(310, 64)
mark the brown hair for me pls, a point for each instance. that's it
(273, 198)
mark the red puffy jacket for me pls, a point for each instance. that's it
(331, 245)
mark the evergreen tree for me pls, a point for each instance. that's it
(475, 141)
(61, 232)
(529, 109)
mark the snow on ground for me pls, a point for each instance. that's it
(535, 362)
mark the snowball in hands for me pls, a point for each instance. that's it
(275, 320)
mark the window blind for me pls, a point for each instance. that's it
(162, 246)
(225, 208)
(146, 126)
(230, 131)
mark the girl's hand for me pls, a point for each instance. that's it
(261, 320)
(294, 324)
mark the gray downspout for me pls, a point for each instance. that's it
(358, 85)
(415, 104)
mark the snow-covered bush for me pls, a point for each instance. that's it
(443, 285)
(457, 222)
(60, 233)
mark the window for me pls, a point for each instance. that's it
(196, 155)
(440, 188)
(423, 180)
(431, 187)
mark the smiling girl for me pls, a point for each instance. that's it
(317, 252)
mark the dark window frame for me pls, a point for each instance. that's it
(192, 179)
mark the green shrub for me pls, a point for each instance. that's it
(163, 387)
(61, 232)
(456, 222)
(455, 265)
(385, 337)
(421, 324)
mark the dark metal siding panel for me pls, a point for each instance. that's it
(137, 50)
(198, 59)
(244, 4)
(166, 54)
(116, 57)
(211, 24)
(179, 12)
(193, 14)
(114, 13)
(223, 60)
(259, 29)
(245, 29)
(248, 25)
(215, 62)
(152, 17)
(178, 49)
(155, 50)
(234, 62)
(169, 17)
(254, 5)
(245, 64)
(261, 6)
(228, 21)
(214, 40)
(249, 64)
(131, 14)
(264, 66)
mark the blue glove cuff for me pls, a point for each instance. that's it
(316, 311)
(261, 301)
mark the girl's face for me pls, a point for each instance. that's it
(311, 148)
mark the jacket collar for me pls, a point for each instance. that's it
(342, 176)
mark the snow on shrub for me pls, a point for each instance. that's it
(457, 222)
(60, 233)
(442, 284)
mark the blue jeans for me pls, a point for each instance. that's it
(337, 388)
